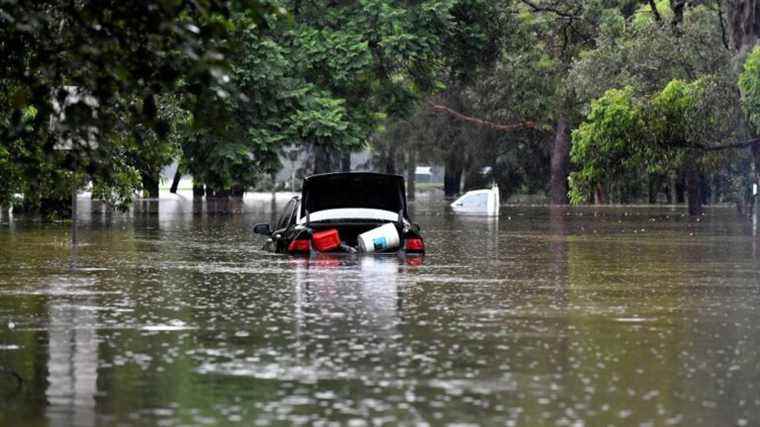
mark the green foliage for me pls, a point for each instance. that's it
(648, 56)
(681, 76)
(117, 185)
(655, 134)
(645, 17)
(325, 78)
(608, 142)
(117, 59)
(230, 86)
(749, 84)
(673, 110)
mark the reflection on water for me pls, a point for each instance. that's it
(327, 286)
(175, 316)
(72, 360)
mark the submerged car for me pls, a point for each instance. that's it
(346, 212)
(478, 202)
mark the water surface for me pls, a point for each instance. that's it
(175, 316)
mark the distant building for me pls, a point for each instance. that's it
(423, 174)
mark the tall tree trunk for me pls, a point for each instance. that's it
(452, 174)
(150, 185)
(217, 193)
(345, 162)
(680, 190)
(175, 181)
(74, 218)
(323, 159)
(390, 159)
(705, 190)
(600, 196)
(677, 6)
(273, 176)
(411, 173)
(198, 190)
(237, 190)
(560, 162)
(452, 182)
(319, 159)
(653, 189)
(454, 163)
(744, 18)
(694, 191)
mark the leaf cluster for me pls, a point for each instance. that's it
(119, 59)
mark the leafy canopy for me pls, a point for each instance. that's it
(749, 84)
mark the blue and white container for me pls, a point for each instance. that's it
(379, 239)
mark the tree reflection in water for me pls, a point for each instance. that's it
(72, 359)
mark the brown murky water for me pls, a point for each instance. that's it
(582, 317)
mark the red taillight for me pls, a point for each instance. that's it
(299, 246)
(414, 245)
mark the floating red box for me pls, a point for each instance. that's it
(327, 240)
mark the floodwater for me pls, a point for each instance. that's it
(609, 316)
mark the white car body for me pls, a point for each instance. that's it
(353, 214)
(478, 202)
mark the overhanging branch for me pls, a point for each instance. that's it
(480, 122)
(733, 146)
(655, 12)
(545, 8)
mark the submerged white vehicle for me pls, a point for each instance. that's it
(478, 202)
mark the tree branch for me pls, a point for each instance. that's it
(722, 26)
(537, 8)
(736, 145)
(479, 122)
(655, 12)
(678, 7)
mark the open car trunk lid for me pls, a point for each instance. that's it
(362, 190)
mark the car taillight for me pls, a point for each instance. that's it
(299, 246)
(414, 245)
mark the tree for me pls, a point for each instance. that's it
(405, 43)
(122, 56)
(320, 83)
(553, 34)
(500, 128)
(276, 108)
(749, 84)
(676, 128)
(744, 16)
(647, 52)
(606, 144)
(564, 29)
